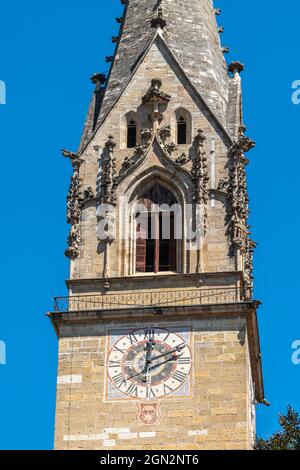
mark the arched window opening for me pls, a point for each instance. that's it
(131, 134)
(181, 131)
(156, 246)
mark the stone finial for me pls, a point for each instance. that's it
(75, 159)
(159, 21)
(235, 68)
(98, 79)
(110, 144)
(200, 137)
(154, 94)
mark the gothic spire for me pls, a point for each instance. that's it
(189, 30)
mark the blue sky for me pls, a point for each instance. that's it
(48, 52)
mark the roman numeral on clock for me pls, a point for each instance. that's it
(132, 338)
(150, 393)
(184, 360)
(119, 350)
(149, 333)
(132, 390)
(179, 376)
(119, 380)
(167, 389)
(114, 364)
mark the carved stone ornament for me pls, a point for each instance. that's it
(239, 202)
(163, 136)
(146, 136)
(200, 178)
(154, 94)
(182, 160)
(159, 21)
(88, 194)
(73, 205)
(109, 180)
(224, 186)
(139, 152)
(73, 250)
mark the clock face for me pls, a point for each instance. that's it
(149, 363)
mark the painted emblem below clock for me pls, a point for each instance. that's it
(149, 363)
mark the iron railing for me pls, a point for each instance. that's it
(171, 298)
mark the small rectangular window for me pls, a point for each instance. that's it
(131, 135)
(182, 128)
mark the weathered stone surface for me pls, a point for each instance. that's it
(168, 64)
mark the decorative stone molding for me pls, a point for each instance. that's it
(73, 205)
(163, 136)
(200, 178)
(239, 202)
(154, 95)
(146, 136)
(248, 262)
(170, 147)
(73, 250)
(130, 162)
(139, 152)
(224, 186)
(87, 195)
(164, 133)
(109, 180)
(182, 160)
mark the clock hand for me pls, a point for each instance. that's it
(149, 348)
(172, 359)
(136, 375)
(176, 349)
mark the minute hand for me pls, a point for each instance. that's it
(173, 358)
(176, 349)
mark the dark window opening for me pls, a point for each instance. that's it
(131, 135)
(181, 131)
(157, 252)
(151, 249)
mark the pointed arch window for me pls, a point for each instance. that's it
(181, 131)
(156, 245)
(131, 134)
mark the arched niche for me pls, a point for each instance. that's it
(182, 126)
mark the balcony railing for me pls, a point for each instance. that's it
(174, 298)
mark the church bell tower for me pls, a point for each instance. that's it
(158, 337)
